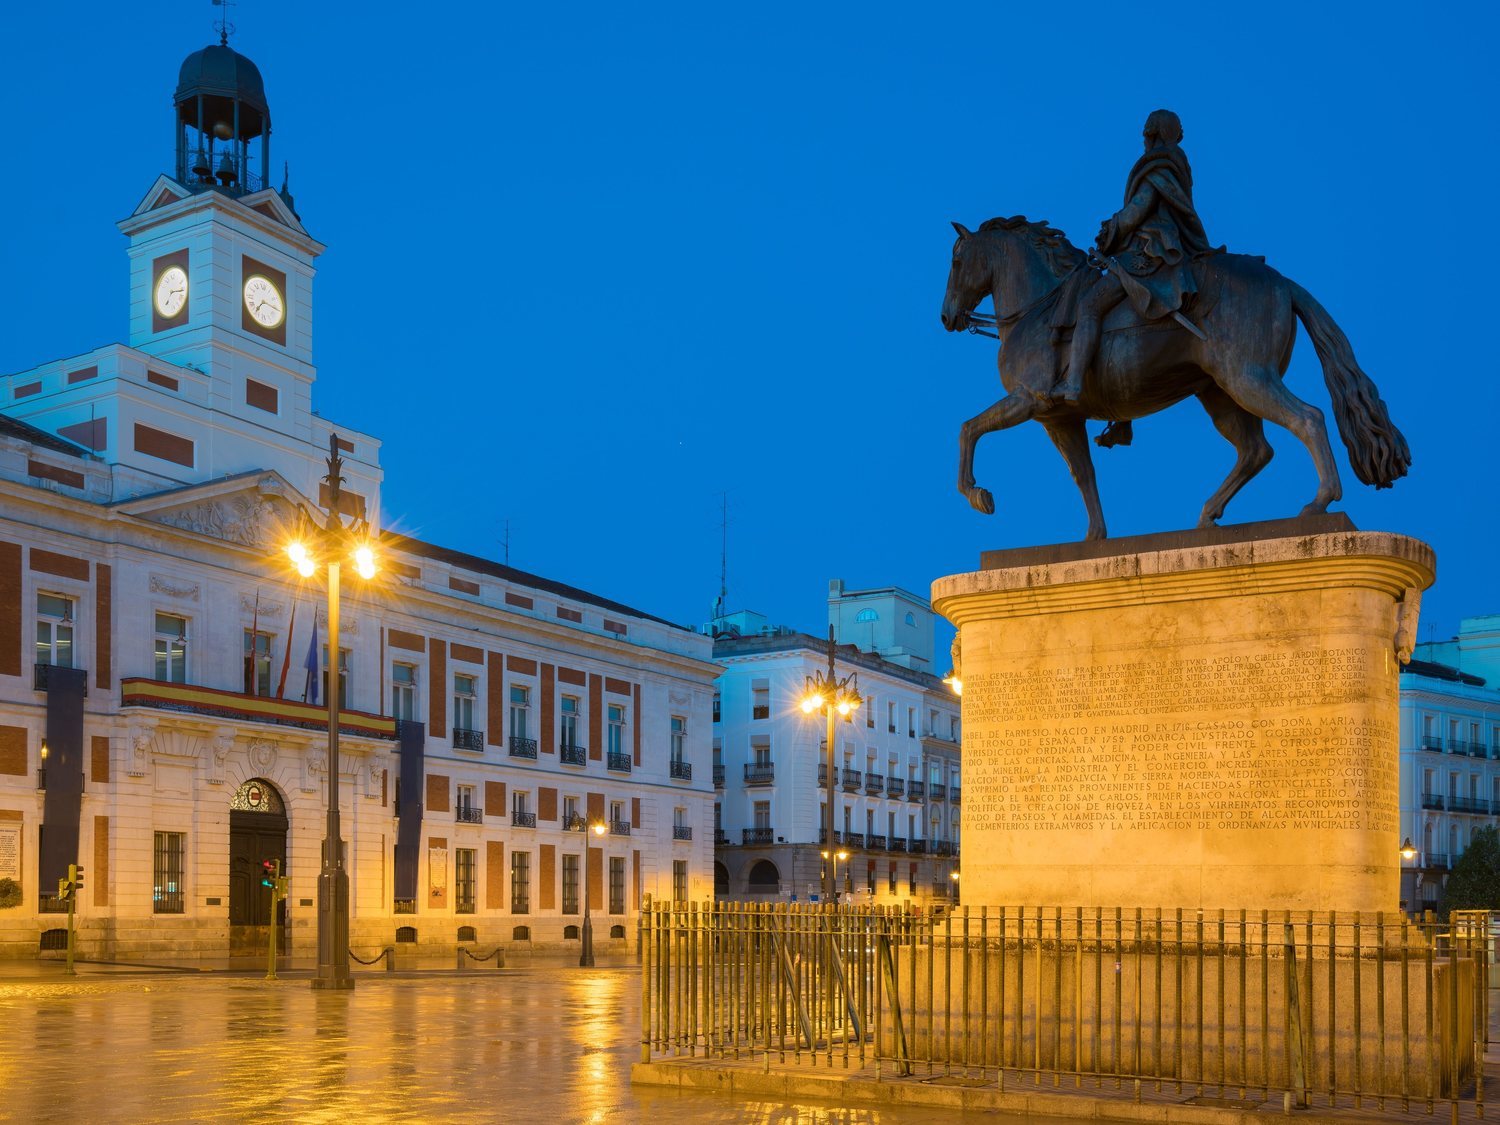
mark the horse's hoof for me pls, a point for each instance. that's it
(1314, 509)
(1095, 534)
(982, 501)
(1206, 521)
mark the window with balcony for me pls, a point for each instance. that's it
(521, 815)
(171, 648)
(911, 722)
(890, 716)
(403, 691)
(716, 707)
(465, 810)
(762, 814)
(679, 737)
(520, 711)
(520, 882)
(464, 881)
(679, 880)
(869, 710)
(617, 884)
(167, 872)
(617, 817)
(569, 720)
(463, 714)
(569, 884)
(570, 815)
(615, 729)
(343, 676)
(54, 630)
(256, 652)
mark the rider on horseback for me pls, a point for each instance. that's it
(1153, 239)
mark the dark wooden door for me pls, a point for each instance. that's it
(253, 838)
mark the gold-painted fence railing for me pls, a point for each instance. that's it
(1378, 1011)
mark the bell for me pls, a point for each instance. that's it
(226, 173)
(223, 130)
(200, 164)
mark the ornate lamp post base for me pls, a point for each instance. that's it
(333, 930)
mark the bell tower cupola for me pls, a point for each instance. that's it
(222, 121)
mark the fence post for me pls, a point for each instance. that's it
(1297, 1076)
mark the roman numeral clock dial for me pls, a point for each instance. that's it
(264, 302)
(171, 291)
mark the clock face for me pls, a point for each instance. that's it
(263, 301)
(171, 291)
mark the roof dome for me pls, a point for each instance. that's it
(222, 71)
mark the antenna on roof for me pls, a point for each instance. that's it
(505, 544)
(225, 28)
(723, 555)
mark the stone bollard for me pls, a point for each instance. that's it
(390, 958)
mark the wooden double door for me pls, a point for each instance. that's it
(254, 837)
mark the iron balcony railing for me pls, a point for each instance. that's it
(682, 832)
(953, 794)
(1432, 801)
(1437, 859)
(937, 791)
(575, 823)
(854, 839)
(682, 771)
(464, 739)
(916, 790)
(718, 775)
(41, 676)
(895, 786)
(721, 838)
(571, 755)
(1432, 745)
(898, 844)
(760, 773)
(822, 774)
(756, 836)
(875, 842)
(619, 828)
(916, 847)
(874, 784)
(620, 763)
(520, 819)
(852, 779)
(466, 814)
(942, 847)
(1469, 805)
(522, 747)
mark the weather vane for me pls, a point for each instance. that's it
(225, 28)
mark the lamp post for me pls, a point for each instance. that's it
(835, 857)
(586, 954)
(954, 876)
(1408, 853)
(838, 698)
(333, 542)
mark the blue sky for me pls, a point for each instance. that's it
(654, 253)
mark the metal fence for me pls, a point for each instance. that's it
(1381, 1011)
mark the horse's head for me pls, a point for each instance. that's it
(969, 280)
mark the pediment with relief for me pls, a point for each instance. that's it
(251, 511)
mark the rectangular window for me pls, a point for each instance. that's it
(617, 812)
(890, 716)
(256, 652)
(463, 702)
(166, 879)
(570, 813)
(679, 737)
(617, 884)
(716, 707)
(54, 630)
(870, 712)
(463, 881)
(343, 676)
(891, 881)
(520, 801)
(616, 729)
(760, 746)
(403, 691)
(520, 708)
(570, 884)
(911, 879)
(464, 800)
(679, 880)
(763, 814)
(520, 882)
(570, 720)
(911, 722)
(761, 701)
(870, 877)
(171, 648)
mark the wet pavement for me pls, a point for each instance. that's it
(546, 1043)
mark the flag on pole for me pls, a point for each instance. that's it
(312, 663)
(286, 654)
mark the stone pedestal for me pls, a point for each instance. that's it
(1199, 720)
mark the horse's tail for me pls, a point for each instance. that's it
(1377, 451)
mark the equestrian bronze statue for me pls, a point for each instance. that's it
(1152, 315)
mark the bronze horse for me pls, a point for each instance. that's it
(1247, 312)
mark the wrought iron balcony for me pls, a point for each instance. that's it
(1432, 745)
(953, 794)
(937, 791)
(41, 676)
(523, 819)
(682, 771)
(757, 773)
(721, 838)
(822, 774)
(942, 847)
(682, 832)
(575, 823)
(761, 711)
(852, 779)
(216, 703)
(464, 814)
(718, 775)
(464, 739)
(756, 836)
(898, 843)
(895, 786)
(874, 784)
(1469, 805)
(939, 890)
(571, 755)
(620, 763)
(522, 747)
(854, 839)
(619, 828)
(1436, 859)
(1432, 801)
(875, 842)
(916, 790)
(917, 847)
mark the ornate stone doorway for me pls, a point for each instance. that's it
(257, 832)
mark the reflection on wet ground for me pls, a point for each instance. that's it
(548, 1044)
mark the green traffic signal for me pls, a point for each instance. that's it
(270, 873)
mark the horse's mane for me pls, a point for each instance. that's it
(1061, 255)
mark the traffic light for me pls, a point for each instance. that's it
(270, 873)
(75, 878)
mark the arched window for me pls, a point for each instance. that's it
(721, 879)
(867, 615)
(466, 933)
(570, 933)
(521, 933)
(764, 879)
(406, 933)
(617, 931)
(910, 620)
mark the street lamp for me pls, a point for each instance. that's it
(586, 954)
(838, 699)
(954, 876)
(1408, 853)
(333, 543)
(836, 857)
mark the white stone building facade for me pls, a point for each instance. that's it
(155, 639)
